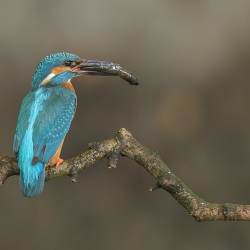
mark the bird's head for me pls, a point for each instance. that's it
(58, 68)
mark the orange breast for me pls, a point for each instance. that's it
(56, 156)
(68, 85)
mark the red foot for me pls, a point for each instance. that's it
(59, 161)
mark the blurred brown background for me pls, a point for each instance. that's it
(192, 59)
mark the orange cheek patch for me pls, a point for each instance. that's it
(59, 70)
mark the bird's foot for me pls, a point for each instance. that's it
(59, 161)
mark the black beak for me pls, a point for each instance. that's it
(102, 68)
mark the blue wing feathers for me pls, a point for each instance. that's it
(51, 127)
(43, 122)
(23, 121)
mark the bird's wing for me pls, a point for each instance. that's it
(23, 120)
(51, 123)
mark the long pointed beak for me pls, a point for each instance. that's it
(103, 68)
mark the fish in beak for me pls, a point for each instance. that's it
(103, 68)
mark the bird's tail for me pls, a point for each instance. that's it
(32, 179)
(31, 176)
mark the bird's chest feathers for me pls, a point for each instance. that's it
(69, 86)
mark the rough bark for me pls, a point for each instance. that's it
(124, 144)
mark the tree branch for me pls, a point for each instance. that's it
(124, 144)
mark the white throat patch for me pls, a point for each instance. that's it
(47, 79)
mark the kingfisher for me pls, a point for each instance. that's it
(47, 111)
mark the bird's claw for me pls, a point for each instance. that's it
(59, 161)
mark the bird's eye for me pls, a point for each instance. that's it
(79, 61)
(67, 63)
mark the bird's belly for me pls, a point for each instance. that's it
(54, 159)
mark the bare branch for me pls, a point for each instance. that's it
(126, 145)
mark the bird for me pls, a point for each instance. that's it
(47, 111)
